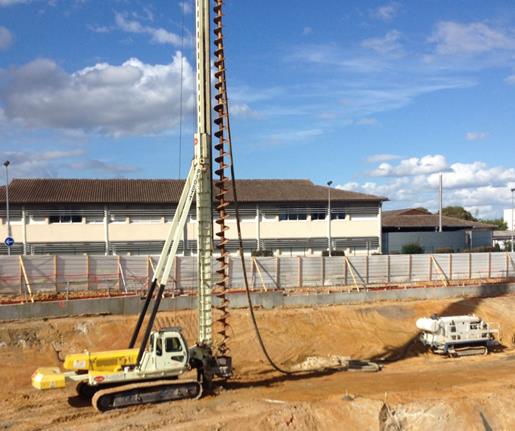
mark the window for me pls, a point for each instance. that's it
(173, 344)
(117, 218)
(266, 216)
(34, 219)
(337, 215)
(65, 219)
(146, 219)
(291, 215)
(95, 219)
(319, 215)
(13, 219)
(159, 347)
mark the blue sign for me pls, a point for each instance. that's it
(9, 241)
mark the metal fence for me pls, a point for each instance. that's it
(32, 275)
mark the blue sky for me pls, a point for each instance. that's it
(377, 96)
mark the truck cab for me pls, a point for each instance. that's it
(167, 351)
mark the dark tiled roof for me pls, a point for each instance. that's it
(136, 191)
(413, 218)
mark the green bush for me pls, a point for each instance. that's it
(412, 248)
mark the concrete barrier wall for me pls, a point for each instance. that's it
(268, 300)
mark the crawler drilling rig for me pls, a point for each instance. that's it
(152, 372)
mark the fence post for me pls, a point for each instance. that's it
(450, 266)
(118, 275)
(55, 273)
(323, 271)
(367, 270)
(410, 268)
(489, 265)
(299, 274)
(87, 272)
(430, 268)
(470, 266)
(345, 271)
(388, 269)
(507, 265)
(278, 272)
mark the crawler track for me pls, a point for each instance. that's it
(145, 393)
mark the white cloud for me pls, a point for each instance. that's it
(158, 35)
(132, 98)
(307, 30)
(476, 186)
(510, 80)
(186, 7)
(5, 38)
(292, 137)
(38, 164)
(384, 45)
(103, 166)
(476, 136)
(12, 2)
(375, 158)
(412, 166)
(470, 38)
(367, 121)
(387, 12)
(474, 174)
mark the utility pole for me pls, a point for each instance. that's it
(329, 239)
(512, 218)
(203, 158)
(9, 233)
(441, 204)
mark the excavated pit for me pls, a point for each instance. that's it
(414, 391)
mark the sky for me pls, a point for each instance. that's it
(379, 97)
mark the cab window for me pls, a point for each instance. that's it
(159, 347)
(173, 344)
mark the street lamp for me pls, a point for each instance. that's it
(6, 164)
(329, 218)
(512, 218)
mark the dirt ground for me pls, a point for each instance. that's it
(422, 391)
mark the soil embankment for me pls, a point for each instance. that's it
(422, 391)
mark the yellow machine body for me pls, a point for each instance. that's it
(48, 378)
(109, 361)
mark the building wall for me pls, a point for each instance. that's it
(429, 241)
(355, 229)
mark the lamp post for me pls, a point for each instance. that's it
(512, 218)
(6, 164)
(329, 240)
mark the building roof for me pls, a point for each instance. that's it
(139, 191)
(419, 218)
(500, 235)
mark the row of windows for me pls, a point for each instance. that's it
(156, 219)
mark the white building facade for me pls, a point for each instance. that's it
(60, 216)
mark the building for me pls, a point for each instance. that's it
(132, 216)
(408, 226)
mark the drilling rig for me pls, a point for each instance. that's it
(153, 370)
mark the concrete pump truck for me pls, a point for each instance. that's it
(151, 371)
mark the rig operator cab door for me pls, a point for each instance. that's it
(169, 350)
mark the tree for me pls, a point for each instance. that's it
(499, 222)
(458, 212)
